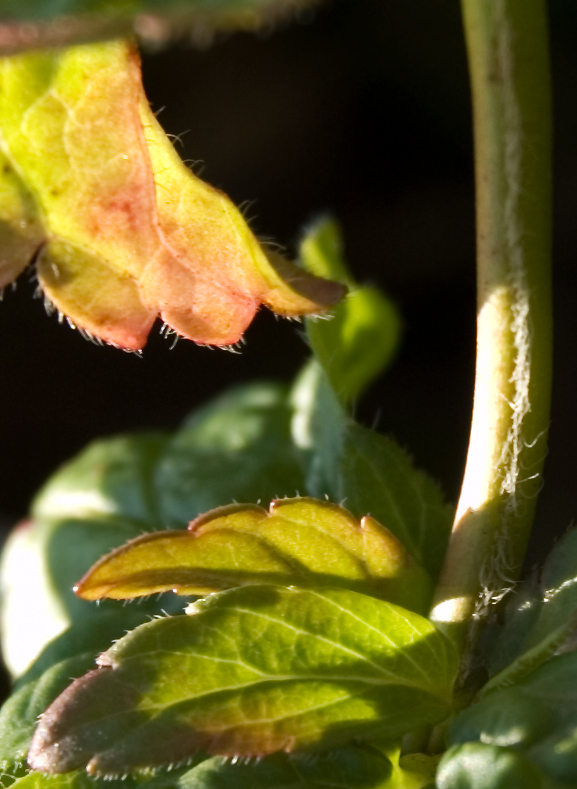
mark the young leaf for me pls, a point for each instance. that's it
(237, 448)
(129, 232)
(252, 671)
(300, 541)
(368, 472)
(361, 338)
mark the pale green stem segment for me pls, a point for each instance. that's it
(508, 58)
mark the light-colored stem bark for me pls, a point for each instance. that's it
(508, 58)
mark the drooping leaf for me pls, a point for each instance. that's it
(252, 671)
(481, 766)
(361, 338)
(26, 24)
(129, 232)
(299, 541)
(237, 448)
(368, 472)
(537, 717)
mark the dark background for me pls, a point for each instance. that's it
(361, 109)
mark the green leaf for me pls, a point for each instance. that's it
(111, 478)
(350, 767)
(360, 340)
(368, 472)
(69, 656)
(537, 716)
(302, 541)
(540, 617)
(252, 671)
(237, 448)
(479, 766)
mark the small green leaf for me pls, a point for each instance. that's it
(302, 541)
(480, 766)
(360, 340)
(368, 472)
(237, 448)
(252, 671)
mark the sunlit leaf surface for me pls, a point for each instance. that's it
(298, 541)
(129, 233)
(252, 671)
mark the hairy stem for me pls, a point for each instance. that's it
(508, 59)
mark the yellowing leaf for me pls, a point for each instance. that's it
(128, 231)
(299, 541)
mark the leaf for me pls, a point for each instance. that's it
(368, 472)
(129, 232)
(537, 717)
(299, 541)
(70, 656)
(48, 23)
(378, 477)
(112, 477)
(237, 448)
(480, 766)
(539, 613)
(350, 767)
(252, 671)
(361, 338)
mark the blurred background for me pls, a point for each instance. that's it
(361, 109)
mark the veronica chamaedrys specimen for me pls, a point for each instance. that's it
(123, 231)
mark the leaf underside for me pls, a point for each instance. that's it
(298, 541)
(123, 232)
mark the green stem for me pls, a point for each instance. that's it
(508, 59)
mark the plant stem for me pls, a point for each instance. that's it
(509, 65)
